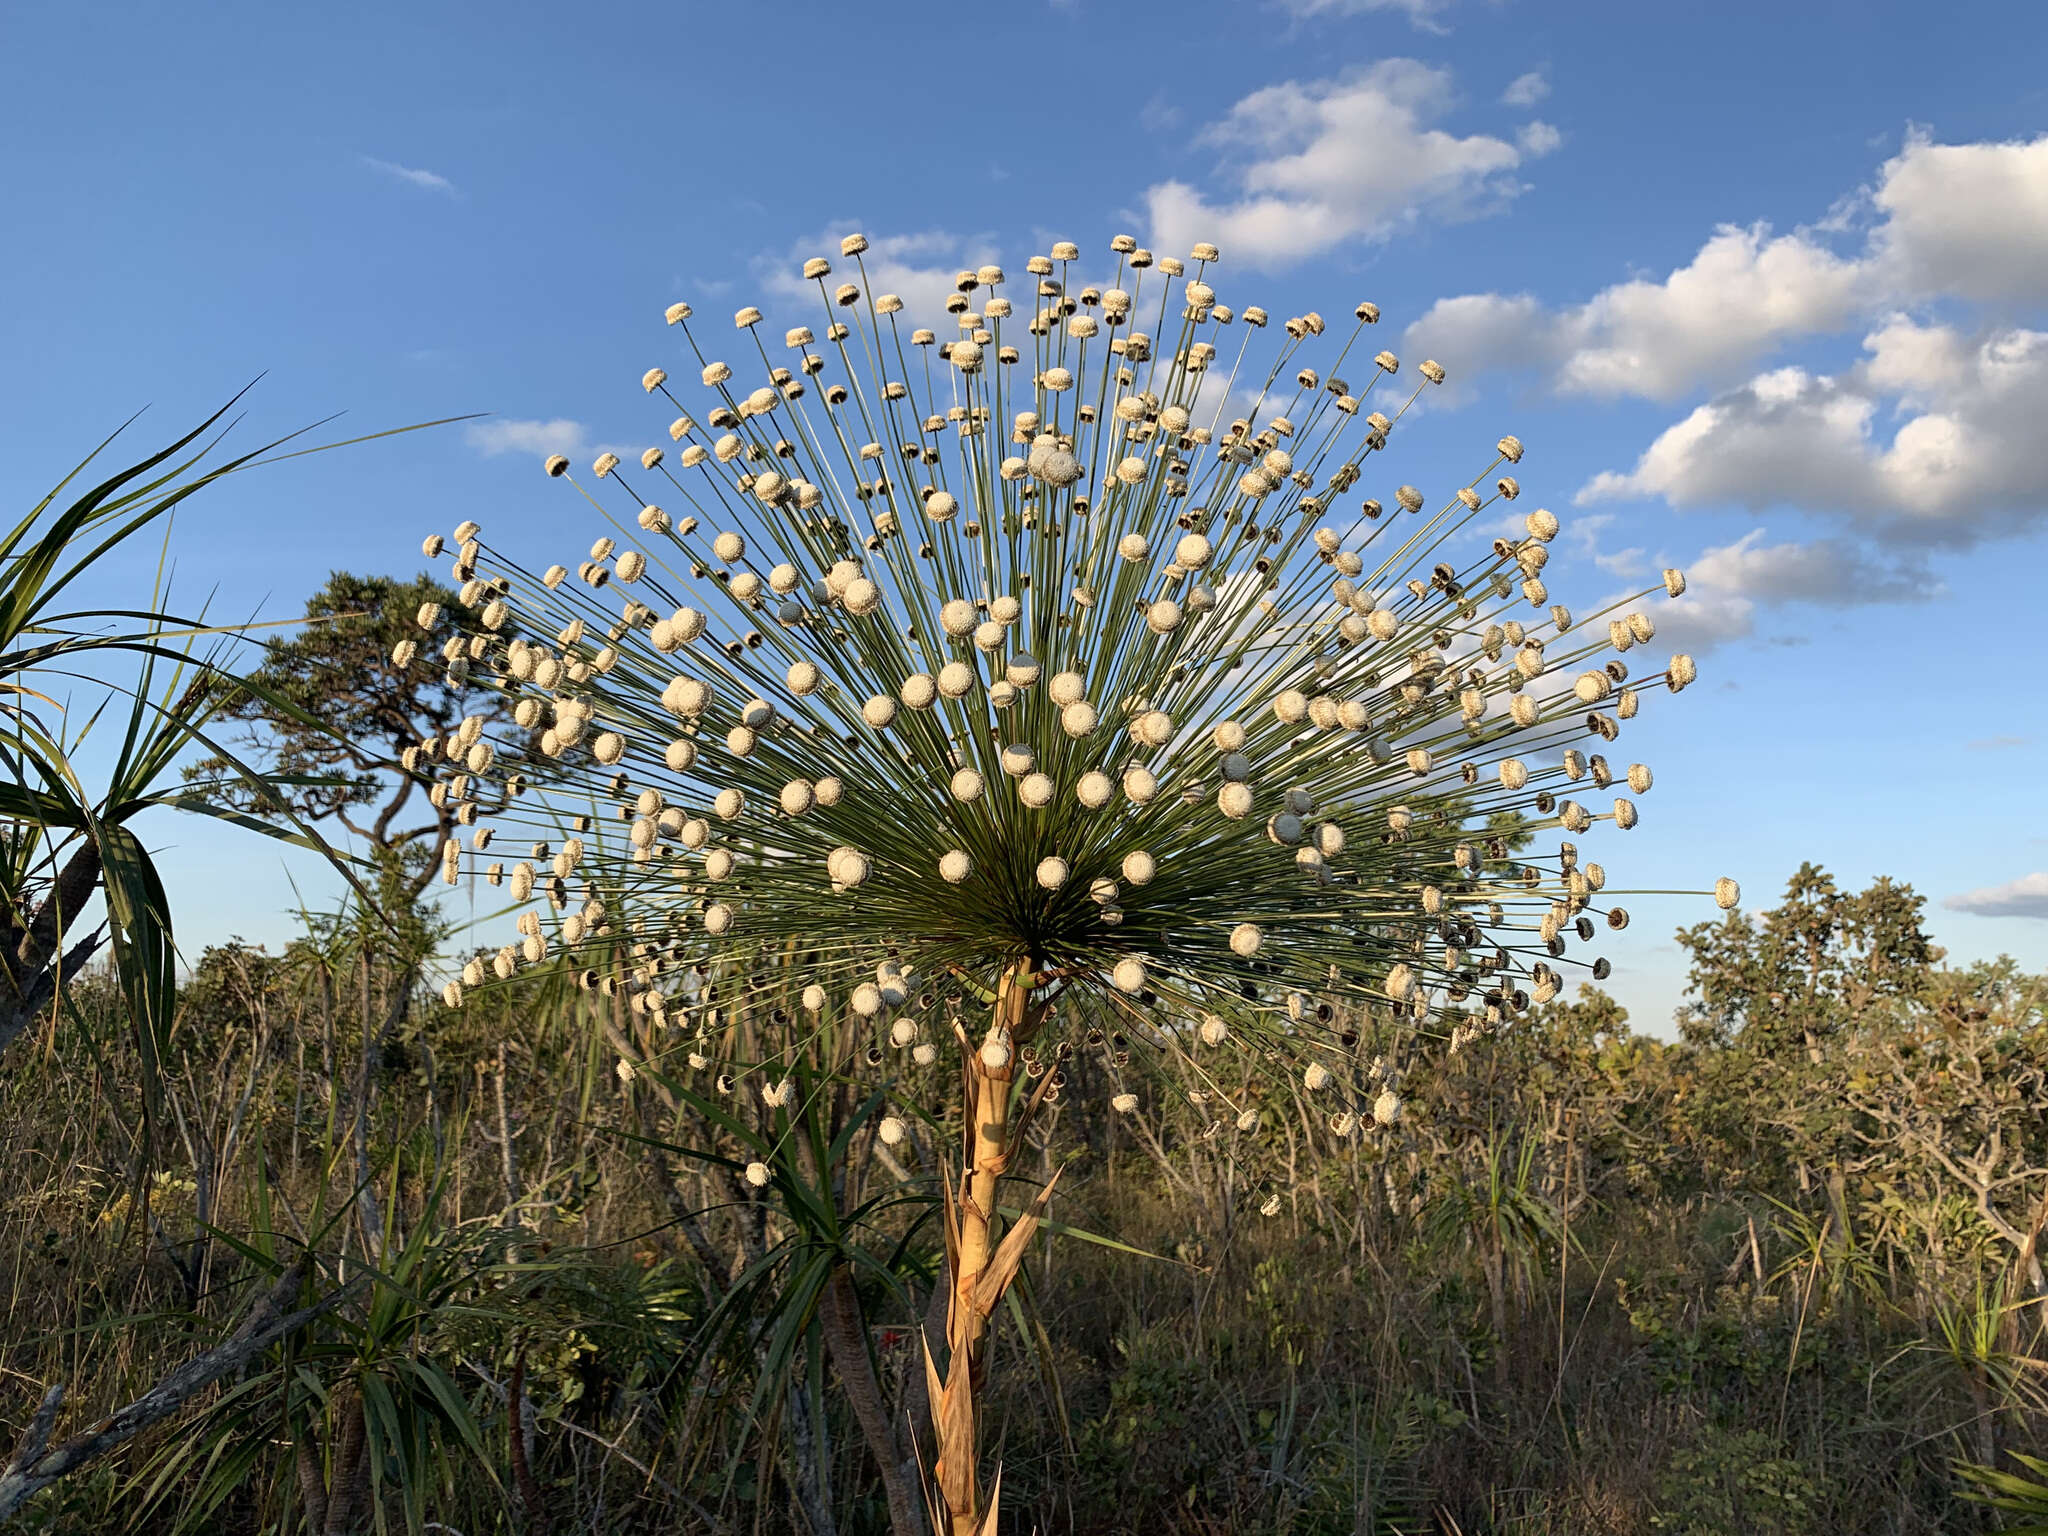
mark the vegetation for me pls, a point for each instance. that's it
(1590, 1281)
(292, 1247)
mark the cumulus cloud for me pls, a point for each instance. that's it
(1526, 90)
(918, 267)
(1423, 14)
(511, 435)
(2024, 897)
(1965, 219)
(1944, 221)
(1930, 440)
(1737, 299)
(1324, 162)
(431, 181)
(1732, 589)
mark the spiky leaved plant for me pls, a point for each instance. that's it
(1062, 655)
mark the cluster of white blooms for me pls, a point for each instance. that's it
(921, 653)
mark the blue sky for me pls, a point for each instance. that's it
(1765, 289)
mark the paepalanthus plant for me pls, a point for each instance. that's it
(1066, 655)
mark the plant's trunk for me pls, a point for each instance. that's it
(807, 1455)
(349, 1485)
(847, 1342)
(1494, 1262)
(519, 1434)
(32, 965)
(312, 1477)
(1986, 1416)
(508, 1156)
(1838, 1203)
(980, 1269)
(359, 1133)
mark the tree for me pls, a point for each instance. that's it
(1817, 963)
(338, 670)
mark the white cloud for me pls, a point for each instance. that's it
(1537, 138)
(1422, 14)
(1324, 162)
(431, 181)
(1737, 299)
(1963, 221)
(1730, 589)
(511, 435)
(1526, 90)
(2024, 897)
(1960, 464)
(1830, 572)
(918, 267)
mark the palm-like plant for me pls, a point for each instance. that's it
(64, 842)
(2013, 1493)
(984, 671)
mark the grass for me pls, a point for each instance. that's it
(1346, 1365)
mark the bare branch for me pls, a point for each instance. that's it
(34, 1468)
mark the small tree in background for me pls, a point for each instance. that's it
(331, 716)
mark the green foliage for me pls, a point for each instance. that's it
(1683, 1337)
(1736, 1480)
(2015, 1493)
(332, 713)
(62, 842)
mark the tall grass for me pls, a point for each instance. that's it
(1578, 1328)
